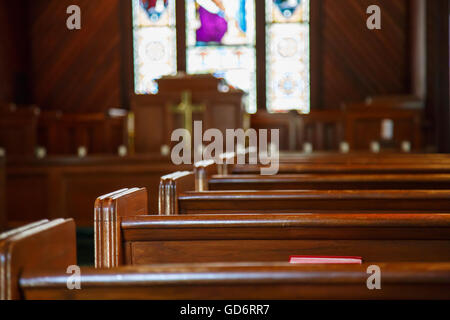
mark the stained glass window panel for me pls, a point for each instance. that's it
(154, 33)
(282, 11)
(288, 55)
(221, 40)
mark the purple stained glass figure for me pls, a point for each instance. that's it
(214, 26)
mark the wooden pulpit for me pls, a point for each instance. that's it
(181, 100)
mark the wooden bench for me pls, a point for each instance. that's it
(37, 259)
(134, 238)
(267, 281)
(42, 245)
(181, 198)
(361, 163)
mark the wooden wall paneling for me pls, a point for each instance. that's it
(75, 70)
(358, 62)
(438, 97)
(14, 52)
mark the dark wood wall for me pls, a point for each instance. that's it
(76, 70)
(357, 62)
(14, 52)
(80, 71)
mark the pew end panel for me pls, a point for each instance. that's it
(42, 246)
(110, 209)
(171, 186)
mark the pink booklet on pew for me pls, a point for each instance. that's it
(324, 260)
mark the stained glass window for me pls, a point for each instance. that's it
(155, 43)
(221, 40)
(288, 58)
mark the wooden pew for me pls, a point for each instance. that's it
(99, 133)
(209, 176)
(68, 186)
(38, 258)
(40, 246)
(268, 281)
(338, 181)
(140, 239)
(322, 163)
(107, 222)
(181, 198)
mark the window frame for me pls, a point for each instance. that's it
(127, 71)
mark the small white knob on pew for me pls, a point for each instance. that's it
(82, 152)
(122, 151)
(344, 147)
(406, 146)
(41, 152)
(165, 150)
(307, 147)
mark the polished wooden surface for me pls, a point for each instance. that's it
(109, 211)
(37, 247)
(68, 186)
(244, 281)
(329, 182)
(313, 201)
(268, 237)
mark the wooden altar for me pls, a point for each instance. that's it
(181, 100)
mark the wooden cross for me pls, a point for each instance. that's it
(186, 108)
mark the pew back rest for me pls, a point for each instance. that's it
(313, 201)
(275, 237)
(331, 181)
(247, 281)
(45, 245)
(109, 210)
